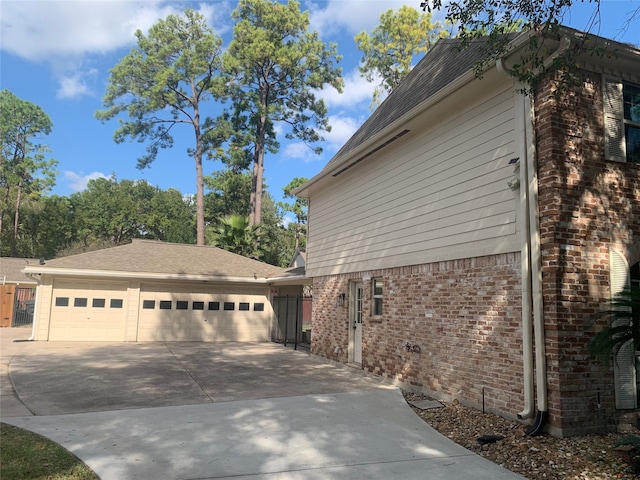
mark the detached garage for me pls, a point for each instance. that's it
(155, 291)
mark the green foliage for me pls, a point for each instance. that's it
(163, 83)
(24, 169)
(46, 226)
(25, 456)
(389, 50)
(623, 324)
(277, 66)
(229, 193)
(120, 211)
(235, 234)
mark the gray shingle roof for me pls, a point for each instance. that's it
(11, 269)
(153, 257)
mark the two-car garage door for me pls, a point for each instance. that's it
(106, 311)
(207, 315)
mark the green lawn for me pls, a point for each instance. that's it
(28, 456)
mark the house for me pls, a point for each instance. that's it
(156, 291)
(16, 291)
(464, 236)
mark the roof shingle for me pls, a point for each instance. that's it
(154, 257)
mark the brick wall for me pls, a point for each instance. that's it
(464, 317)
(587, 205)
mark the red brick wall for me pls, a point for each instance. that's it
(464, 316)
(587, 205)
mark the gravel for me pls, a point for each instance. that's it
(589, 457)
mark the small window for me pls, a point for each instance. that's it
(62, 301)
(197, 306)
(214, 305)
(79, 302)
(165, 304)
(244, 306)
(148, 304)
(258, 307)
(98, 303)
(115, 303)
(229, 306)
(377, 297)
(181, 305)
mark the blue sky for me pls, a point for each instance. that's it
(57, 54)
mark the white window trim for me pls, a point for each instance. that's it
(374, 297)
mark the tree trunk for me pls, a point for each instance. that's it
(255, 201)
(200, 237)
(16, 221)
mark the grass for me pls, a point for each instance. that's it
(26, 455)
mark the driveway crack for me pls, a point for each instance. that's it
(184, 367)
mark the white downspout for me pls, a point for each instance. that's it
(531, 254)
(536, 263)
(523, 107)
(35, 314)
(522, 115)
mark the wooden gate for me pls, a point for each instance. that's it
(16, 305)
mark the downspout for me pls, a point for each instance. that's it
(35, 315)
(531, 259)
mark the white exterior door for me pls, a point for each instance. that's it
(356, 322)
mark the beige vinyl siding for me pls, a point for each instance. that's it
(439, 192)
(203, 325)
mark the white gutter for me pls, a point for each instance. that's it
(144, 275)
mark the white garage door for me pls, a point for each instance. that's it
(88, 311)
(232, 315)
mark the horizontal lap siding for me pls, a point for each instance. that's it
(431, 195)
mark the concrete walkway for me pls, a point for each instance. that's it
(186, 411)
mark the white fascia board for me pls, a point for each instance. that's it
(67, 272)
(291, 280)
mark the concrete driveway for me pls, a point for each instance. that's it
(203, 411)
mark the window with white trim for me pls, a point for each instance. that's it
(376, 296)
(622, 121)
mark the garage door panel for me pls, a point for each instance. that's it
(88, 311)
(202, 316)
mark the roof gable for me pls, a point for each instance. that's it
(441, 65)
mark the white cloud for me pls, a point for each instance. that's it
(357, 92)
(75, 85)
(354, 16)
(65, 33)
(78, 182)
(300, 151)
(342, 128)
(39, 30)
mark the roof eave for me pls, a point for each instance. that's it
(70, 272)
(291, 280)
